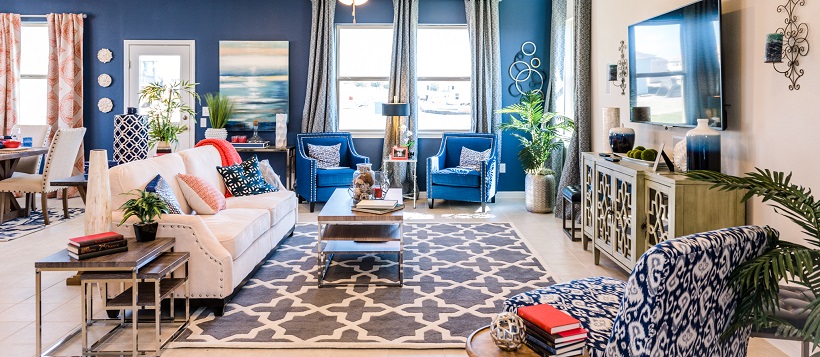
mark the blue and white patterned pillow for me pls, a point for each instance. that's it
(326, 156)
(471, 159)
(159, 186)
(245, 179)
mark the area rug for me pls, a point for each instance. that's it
(24, 226)
(456, 277)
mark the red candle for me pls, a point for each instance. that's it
(377, 191)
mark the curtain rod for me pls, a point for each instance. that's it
(30, 16)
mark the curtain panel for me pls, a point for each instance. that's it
(319, 114)
(402, 87)
(485, 50)
(581, 139)
(9, 70)
(64, 108)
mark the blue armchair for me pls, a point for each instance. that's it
(317, 185)
(446, 181)
(677, 302)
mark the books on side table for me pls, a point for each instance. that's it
(552, 332)
(96, 245)
(377, 206)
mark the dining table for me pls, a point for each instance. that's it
(9, 158)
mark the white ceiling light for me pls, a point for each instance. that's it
(354, 3)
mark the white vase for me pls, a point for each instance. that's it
(98, 196)
(213, 133)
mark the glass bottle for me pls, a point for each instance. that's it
(255, 138)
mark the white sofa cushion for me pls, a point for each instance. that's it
(137, 174)
(202, 162)
(278, 203)
(236, 229)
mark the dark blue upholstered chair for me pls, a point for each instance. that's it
(677, 301)
(445, 181)
(317, 185)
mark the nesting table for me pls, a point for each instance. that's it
(413, 174)
(344, 231)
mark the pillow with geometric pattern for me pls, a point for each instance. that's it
(245, 179)
(471, 159)
(326, 156)
(159, 186)
(203, 197)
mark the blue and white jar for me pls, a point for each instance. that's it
(621, 139)
(703, 148)
(130, 137)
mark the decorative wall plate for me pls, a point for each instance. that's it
(105, 105)
(105, 55)
(104, 80)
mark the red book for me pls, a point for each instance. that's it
(548, 318)
(95, 239)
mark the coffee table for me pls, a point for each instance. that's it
(480, 344)
(343, 231)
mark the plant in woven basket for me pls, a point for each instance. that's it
(757, 280)
(166, 102)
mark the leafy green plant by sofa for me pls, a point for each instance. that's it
(146, 206)
(221, 109)
(757, 281)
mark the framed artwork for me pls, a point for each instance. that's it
(400, 153)
(255, 75)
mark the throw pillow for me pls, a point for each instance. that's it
(471, 159)
(203, 198)
(326, 156)
(269, 175)
(161, 187)
(245, 179)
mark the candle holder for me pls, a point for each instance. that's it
(619, 72)
(793, 42)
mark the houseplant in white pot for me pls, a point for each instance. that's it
(221, 110)
(165, 103)
(540, 133)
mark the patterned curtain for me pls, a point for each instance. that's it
(581, 139)
(319, 114)
(557, 82)
(402, 84)
(65, 78)
(9, 70)
(485, 50)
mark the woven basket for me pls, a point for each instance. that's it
(539, 193)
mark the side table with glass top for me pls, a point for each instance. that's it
(413, 173)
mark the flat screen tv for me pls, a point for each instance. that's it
(675, 73)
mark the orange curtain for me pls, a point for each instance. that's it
(65, 78)
(9, 70)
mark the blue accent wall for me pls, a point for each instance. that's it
(207, 22)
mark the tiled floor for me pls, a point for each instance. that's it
(567, 260)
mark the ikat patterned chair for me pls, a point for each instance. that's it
(317, 185)
(445, 180)
(676, 303)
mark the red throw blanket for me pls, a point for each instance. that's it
(226, 151)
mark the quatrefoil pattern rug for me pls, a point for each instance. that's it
(456, 277)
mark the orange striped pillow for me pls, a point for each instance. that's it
(201, 196)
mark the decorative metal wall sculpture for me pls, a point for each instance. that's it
(623, 70)
(795, 43)
(529, 77)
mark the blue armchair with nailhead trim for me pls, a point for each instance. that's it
(317, 185)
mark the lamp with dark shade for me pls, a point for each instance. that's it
(395, 109)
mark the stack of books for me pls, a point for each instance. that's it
(377, 206)
(96, 245)
(552, 332)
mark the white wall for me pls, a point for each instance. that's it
(769, 126)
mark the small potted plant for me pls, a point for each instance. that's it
(146, 206)
(165, 102)
(221, 110)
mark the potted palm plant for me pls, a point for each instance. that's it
(757, 280)
(540, 133)
(221, 110)
(146, 206)
(165, 103)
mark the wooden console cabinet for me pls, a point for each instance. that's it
(627, 208)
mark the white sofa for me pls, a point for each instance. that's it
(226, 248)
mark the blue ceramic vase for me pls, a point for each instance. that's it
(621, 139)
(703, 148)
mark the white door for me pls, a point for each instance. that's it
(160, 61)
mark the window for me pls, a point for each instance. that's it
(33, 73)
(443, 75)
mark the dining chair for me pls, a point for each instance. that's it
(60, 160)
(39, 138)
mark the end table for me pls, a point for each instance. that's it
(413, 163)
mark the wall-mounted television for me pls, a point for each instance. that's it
(675, 75)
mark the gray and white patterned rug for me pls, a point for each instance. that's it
(456, 277)
(24, 226)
